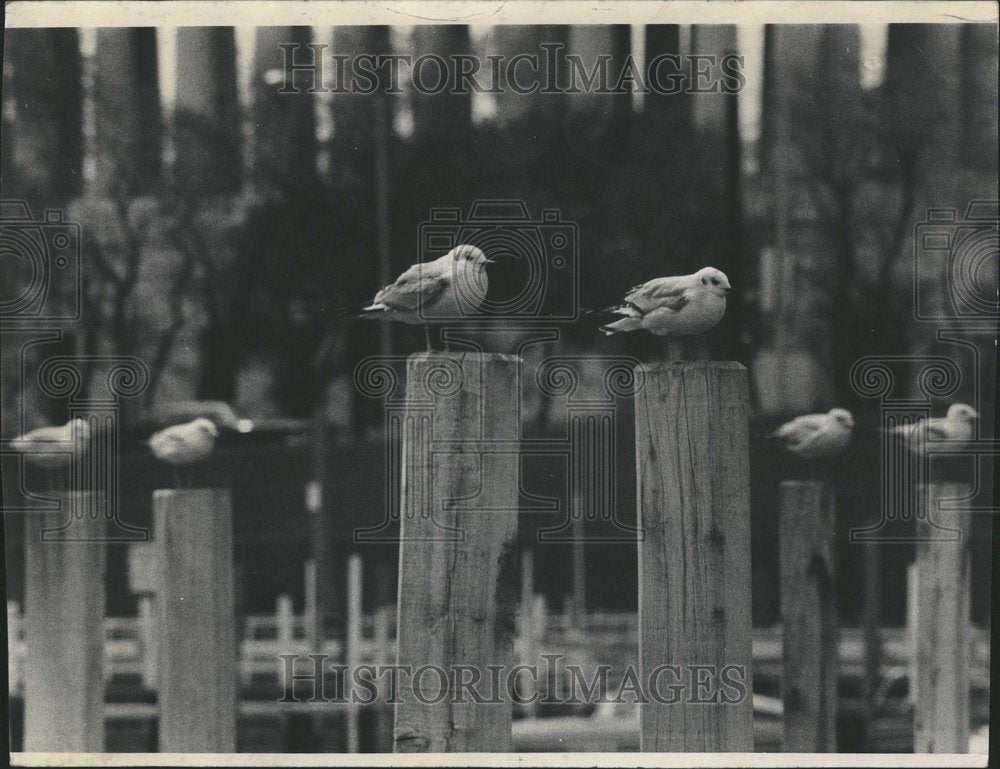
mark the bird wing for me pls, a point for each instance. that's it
(419, 285)
(669, 293)
(937, 429)
(801, 427)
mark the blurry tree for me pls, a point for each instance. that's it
(42, 166)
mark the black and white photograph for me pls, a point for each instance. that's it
(521, 382)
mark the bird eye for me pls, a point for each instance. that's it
(715, 281)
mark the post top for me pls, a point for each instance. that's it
(690, 365)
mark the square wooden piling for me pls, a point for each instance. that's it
(457, 563)
(693, 478)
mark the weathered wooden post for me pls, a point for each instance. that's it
(912, 627)
(808, 615)
(355, 639)
(194, 536)
(941, 708)
(457, 559)
(64, 628)
(695, 642)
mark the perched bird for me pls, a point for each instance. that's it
(678, 306)
(957, 425)
(814, 436)
(186, 443)
(44, 446)
(448, 287)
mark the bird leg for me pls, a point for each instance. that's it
(677, 349)
(427, 337)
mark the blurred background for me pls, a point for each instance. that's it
(225, 225)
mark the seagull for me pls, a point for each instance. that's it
(185, 443)
(957, 425)
(44, 446)
(814, 436)
(448, 287)
(677, 306)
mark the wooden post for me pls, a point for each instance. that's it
(912, 627)
(692, 460)
(809, 620)
(207, 111)
(128, 122)
(194, 532)
(355, 618)
(284, 615)
(941, 712)
(64, 631)
(149, 642)
(384, 655)
(457, 564)
(311, 609)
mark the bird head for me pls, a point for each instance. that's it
(469, 256)
(842, 417)
(962, 411)
(714, 280)
(206, 426)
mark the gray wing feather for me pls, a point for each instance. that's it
(418, 286)
(666, 293)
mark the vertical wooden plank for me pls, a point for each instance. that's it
(578, 596)
(64, 631)
(809, 622)
(149, 642)
(457, 553)
(912, 627)
(384, 655)
(941, 712)
(355, 618)
(284, 617)
(194, 529)
(692, 459)
(284, 123)
(311, 611)
(128, 119)
(206, 112)
(43, 154)
(978, 82)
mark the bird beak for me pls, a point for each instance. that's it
(728, 289)
(489, 261)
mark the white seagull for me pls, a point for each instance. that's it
(43, 447)
(449, 287)
(678, 306)
(957, 425)
(185, 443)
(813, 436)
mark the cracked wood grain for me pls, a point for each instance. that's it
(692, 458)
(457, 558)
(808, 614)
